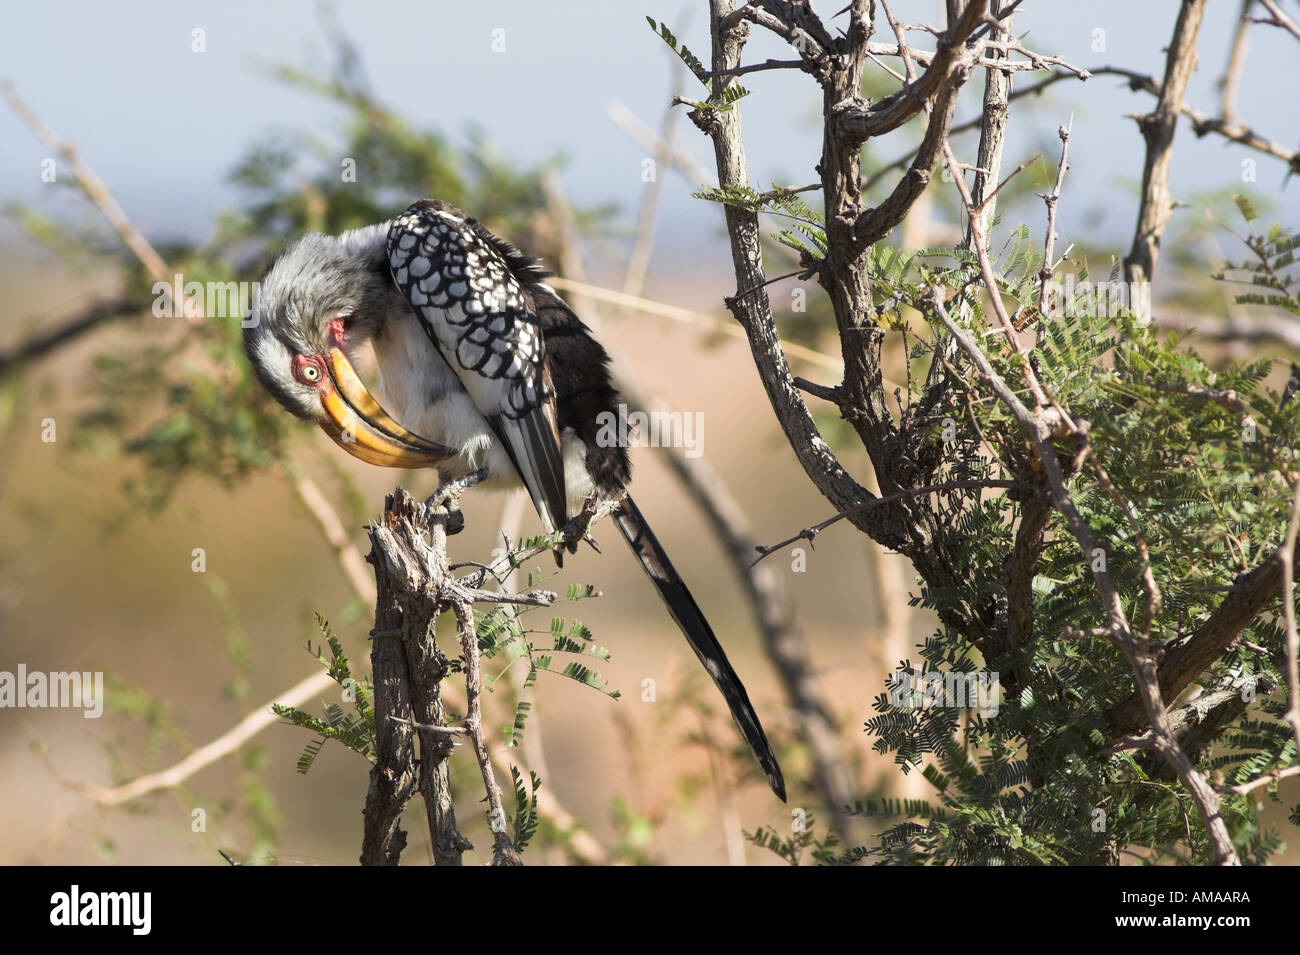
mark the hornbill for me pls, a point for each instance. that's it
(473, 348)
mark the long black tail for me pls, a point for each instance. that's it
(698, 634)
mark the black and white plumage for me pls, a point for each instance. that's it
(461, 280)
(476, 351)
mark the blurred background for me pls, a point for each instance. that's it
(221, 130)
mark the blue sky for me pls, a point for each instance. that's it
(163, 125)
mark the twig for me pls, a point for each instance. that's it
(457, 729)
(649, 140)
(1035, 61)
(756, 67)
(204, 756)
(1268, 779)
(1202, 123)
(980, 242)
(1226, 399)
(832, 394)
(856, 121)
(901, 36)
(1049, 238)
(687, 317)
(503, 852)
(733, 835)
(1279, 19)
(730, 300)
(647, 216)
(984, 206)
(808, 533)
(93, 186)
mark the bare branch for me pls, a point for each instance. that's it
(980, 242)
(856, 121)
(874, 224)
(993, 128)
(1231, 79)
(758, 67)
(1268, 779)
(327, 520)
(212, 752)
(92, 185)
(1049, 238)
(652, 143)
(1158, 130)
(792, 20)
(706, 323)
(754, 312)
(809, 533)
(1279, 18)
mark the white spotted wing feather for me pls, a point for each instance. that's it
(481, 318)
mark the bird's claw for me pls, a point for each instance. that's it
(448, 495)
(577, 528)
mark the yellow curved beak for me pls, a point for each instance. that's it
(359, 425)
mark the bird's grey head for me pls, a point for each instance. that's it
(321, 286)
(324, 297)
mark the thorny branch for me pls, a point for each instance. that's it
(408, 551)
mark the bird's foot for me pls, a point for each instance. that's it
(577, 530)
(448, 496)
(450, 492)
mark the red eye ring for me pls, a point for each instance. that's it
(309, 371)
